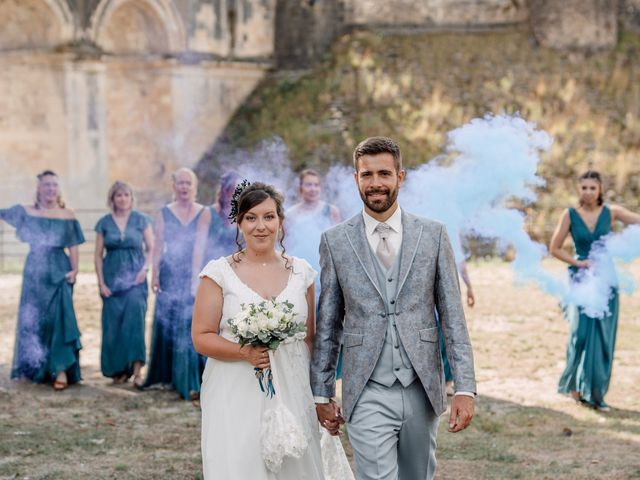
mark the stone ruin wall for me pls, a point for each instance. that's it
(100, 90)
(105, 90)
(426, 13)
(124, 89)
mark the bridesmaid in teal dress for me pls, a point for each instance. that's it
(127, 237)
(47, 337)
(591, 345)
(173, 359)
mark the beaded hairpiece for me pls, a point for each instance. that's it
(236, 197)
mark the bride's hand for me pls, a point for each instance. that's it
(256, 356)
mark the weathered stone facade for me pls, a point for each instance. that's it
(121, 89)
(436, 13)
(589, 24)
(100, 90)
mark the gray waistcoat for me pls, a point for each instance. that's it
(393, 362)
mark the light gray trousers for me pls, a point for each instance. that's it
(393, 433)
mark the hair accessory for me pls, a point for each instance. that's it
(241, 187)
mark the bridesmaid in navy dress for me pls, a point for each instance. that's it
(216, 235)
(127, 237)
(47, 337)
(173, 358)
(591, 344)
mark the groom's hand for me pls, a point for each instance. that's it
(461, 413)
(329, 416)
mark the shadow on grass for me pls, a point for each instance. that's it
(121, 433)
(511, 441)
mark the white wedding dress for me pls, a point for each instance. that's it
(236, 414)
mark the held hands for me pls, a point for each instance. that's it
(330, 416)
(461, 413)
(70, 276)
(256, 356)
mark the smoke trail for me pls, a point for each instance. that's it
(490, 162)
(268, 162)
(594, 286)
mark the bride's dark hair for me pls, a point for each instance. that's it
(253, 195)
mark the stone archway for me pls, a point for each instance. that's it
(34, 24)
(137, 27)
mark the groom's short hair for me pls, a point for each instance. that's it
(375, 146)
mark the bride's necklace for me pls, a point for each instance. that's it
(257, 262)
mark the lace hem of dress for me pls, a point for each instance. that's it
(282, 436)
(334, 461)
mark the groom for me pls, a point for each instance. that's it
(384, 274)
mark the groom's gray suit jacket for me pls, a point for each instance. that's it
(351, 306)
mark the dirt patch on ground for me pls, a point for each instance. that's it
(522, 429)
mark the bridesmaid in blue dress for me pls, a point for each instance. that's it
(173, 358)
(47, 337)
(306, 220)
(591, 345)
(216, 235)
(127, 237)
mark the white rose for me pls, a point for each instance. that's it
(262, 321)
(253, 327)
(273, 323)
(243, 328)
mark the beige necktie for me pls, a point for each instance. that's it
(384, 252)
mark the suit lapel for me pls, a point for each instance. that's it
(411, 234)
(358, 240)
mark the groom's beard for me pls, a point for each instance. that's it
(382, 205)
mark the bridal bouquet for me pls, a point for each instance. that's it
(266, 324)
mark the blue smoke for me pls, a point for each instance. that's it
(489, 165)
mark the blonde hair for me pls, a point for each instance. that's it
(193, 176)
(115, 188)
(40, 176)
(308, 172)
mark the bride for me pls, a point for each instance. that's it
(236, 441)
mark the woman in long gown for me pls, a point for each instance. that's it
(47, 336)
(127, 237)
(306, 220)
(216, 235)
(591, 344)
(233, 407)
(173, 358)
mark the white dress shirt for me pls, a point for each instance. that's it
(395, 242)
(395, 234)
